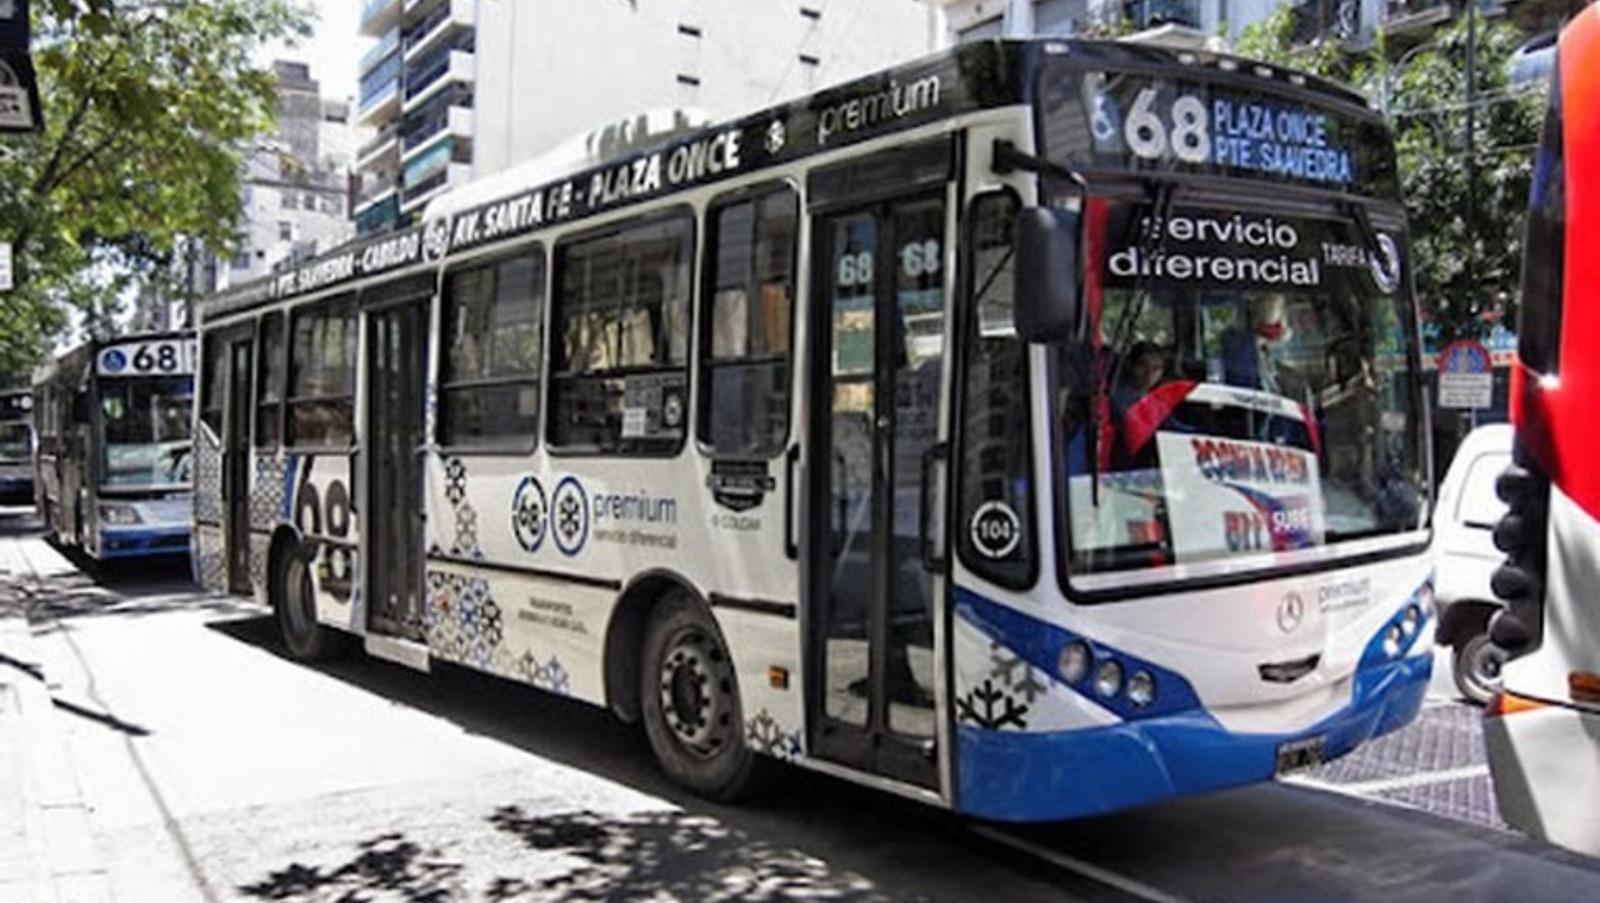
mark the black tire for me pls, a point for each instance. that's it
(689, 695)
(1476, 668)
(294, 605)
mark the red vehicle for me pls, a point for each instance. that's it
(1543, 730)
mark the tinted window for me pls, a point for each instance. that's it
(215, 371)
(619, 339)
(746, 329)
(1544, 252)
(493, 313)
(269, 381)
(322, 359)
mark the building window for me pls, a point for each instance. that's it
(286, 201)
(322, 375)
(309, 202)
(285, 231)
(745, 336)
(489, 392)
(269, 381)
(619, 339)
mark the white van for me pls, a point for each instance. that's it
(1465, 557)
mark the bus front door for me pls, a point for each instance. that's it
(396, 366)
(877, 428)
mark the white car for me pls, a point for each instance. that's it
(1465, 557)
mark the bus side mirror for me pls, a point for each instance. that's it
(1047, 274)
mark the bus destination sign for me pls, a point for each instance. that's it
(1142, 122)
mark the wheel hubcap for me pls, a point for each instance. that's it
(697, 693)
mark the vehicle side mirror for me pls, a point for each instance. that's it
(1047, 297)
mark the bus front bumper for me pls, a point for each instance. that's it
(132, 542)
(1017, 776)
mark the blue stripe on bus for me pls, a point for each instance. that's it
(1039, 644)
(1018, 776)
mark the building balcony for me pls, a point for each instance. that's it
(438, 27)
(378, 16)
(382, 152)
(379, 217)
(453, 123)
(433, 74)
(1413, 16)
(440, 180)
(381, 105)
(389, 43)
(1151, 13)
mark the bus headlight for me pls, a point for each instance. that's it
(1411, 620)
(119, 515)
(1141, 689)
(1108, 678)
(1391, 640)
(1073, 662)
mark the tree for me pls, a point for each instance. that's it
(149, 107)
(1467, 270)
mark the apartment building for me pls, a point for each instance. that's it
(295, 186)
(462, 89)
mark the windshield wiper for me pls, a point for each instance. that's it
(1152, 247)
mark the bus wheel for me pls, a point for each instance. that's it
(1477, 668)
(295, 604)
(690, 700)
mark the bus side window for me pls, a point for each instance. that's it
(269, 385)
(489, 384)
(322, 375)
(619, 339)
(995, 524)
(746, 325)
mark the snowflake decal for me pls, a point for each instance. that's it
(467, 532)
(1014, 674)
(552, 677)
(455, 480)
(991, 707)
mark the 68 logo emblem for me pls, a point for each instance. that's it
(529, 514)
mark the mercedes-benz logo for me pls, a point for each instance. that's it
(1291, 611)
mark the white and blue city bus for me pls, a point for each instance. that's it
(1034, 430)
(113, 464)
(16, 446)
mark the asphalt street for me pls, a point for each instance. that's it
(214, 768)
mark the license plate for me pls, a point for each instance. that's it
(1299, 755)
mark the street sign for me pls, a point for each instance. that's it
(5, 266)
(1466, 376)
(19, 91)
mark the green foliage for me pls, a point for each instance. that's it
(1467, 269)
(149, 105)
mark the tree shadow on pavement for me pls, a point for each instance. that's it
(896, 842)
(124, 589)
(579, 856)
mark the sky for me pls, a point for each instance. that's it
(333, 50)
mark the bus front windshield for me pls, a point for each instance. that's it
(14, 442)
(1246, 389)
(146, 424)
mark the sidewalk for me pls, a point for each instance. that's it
(48, 852)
